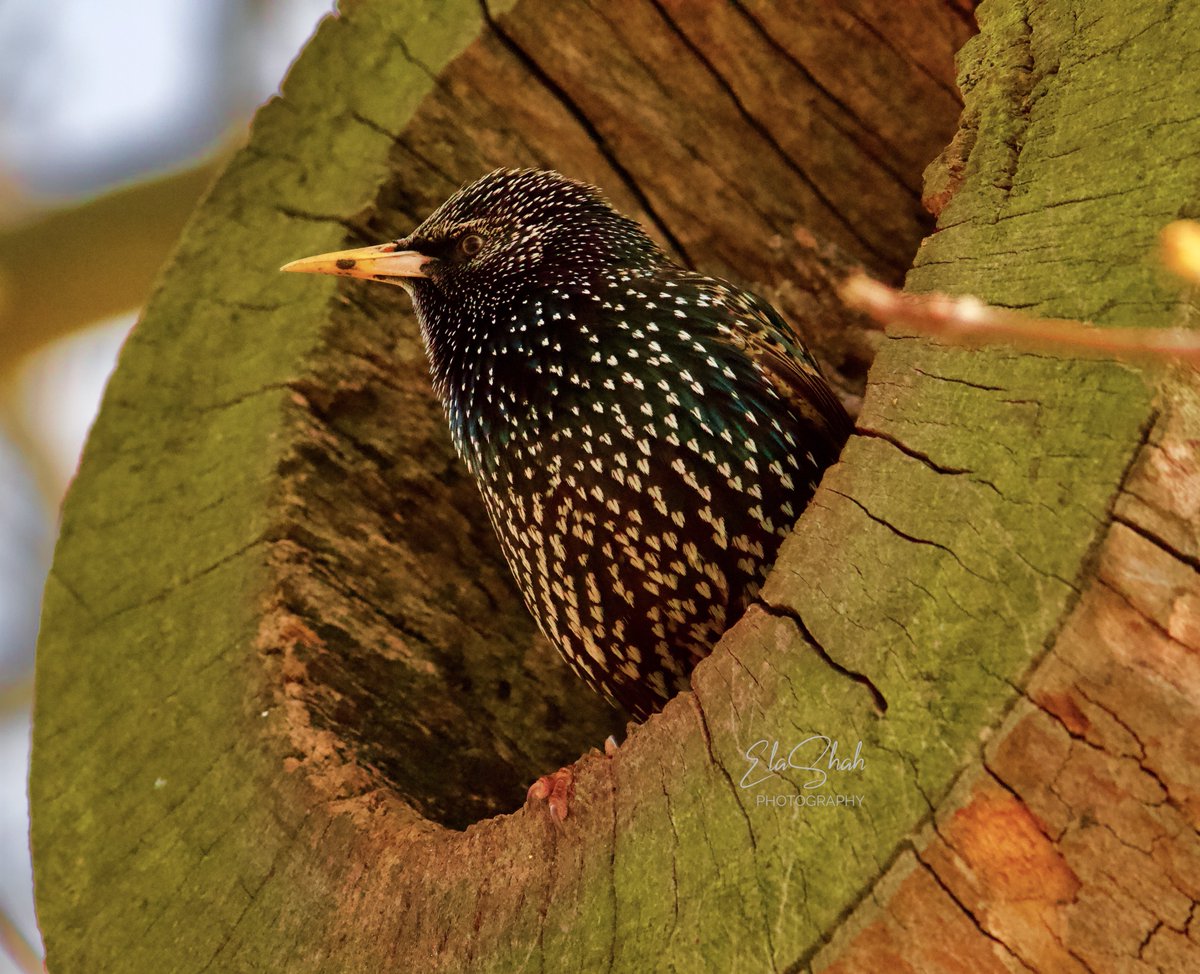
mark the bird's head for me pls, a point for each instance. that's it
(513, 231)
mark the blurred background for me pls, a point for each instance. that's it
(114, 115)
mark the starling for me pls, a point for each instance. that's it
(643, 436)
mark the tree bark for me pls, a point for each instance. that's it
(286, 691)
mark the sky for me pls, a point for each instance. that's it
(94, 95)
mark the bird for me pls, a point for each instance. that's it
(643, 436)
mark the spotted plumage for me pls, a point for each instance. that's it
(643, 436)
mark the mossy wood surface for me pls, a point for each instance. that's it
(282, 666)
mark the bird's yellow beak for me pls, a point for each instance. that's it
(383, 262)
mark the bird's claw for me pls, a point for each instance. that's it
(556, 790)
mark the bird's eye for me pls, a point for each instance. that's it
(471, 244)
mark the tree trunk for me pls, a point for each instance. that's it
(287, 693)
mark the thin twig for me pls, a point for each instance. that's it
(967, 320)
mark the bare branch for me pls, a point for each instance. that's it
(968, 321)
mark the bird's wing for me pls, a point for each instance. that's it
(771, 343)
(791, 368)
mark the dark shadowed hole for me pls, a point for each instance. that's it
(426, 670)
